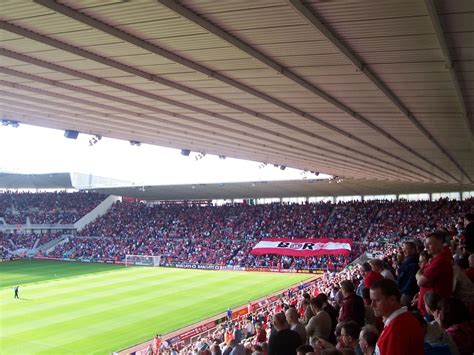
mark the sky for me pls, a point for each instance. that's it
(31, 149)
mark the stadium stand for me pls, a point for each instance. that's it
(446, 329)
(379, 94)
(47, 207)
(439, 315)
(193, 234)
(18, 241)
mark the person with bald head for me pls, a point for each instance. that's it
(283, 341)
(295, 325)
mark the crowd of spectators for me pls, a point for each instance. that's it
(10, 242)
(207, 235)
(45, 238)
(417, 297)
(412, 294)
(5, 253)
(352, 219)
(47, 207)
(14, 241)
(226, 235)
(5, 246)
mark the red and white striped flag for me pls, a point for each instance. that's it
(302, 247)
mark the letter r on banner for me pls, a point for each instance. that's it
(308, 246)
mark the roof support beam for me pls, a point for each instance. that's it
(431, 6)
(127, 131)
(78, 16)
(85, 54)
(227, 129)
(158, 124)
(186, 13)
(364, 68)
(155, 120)
(102, 81)
(94, 125)
(148, 130)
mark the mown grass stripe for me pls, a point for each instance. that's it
(96, 308)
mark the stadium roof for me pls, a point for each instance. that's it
(57, 181)
(233, 190)
(379, 90)
(35, 181)
(291, 188)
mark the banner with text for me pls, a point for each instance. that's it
(302, 247)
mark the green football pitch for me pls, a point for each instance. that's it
(80, 308)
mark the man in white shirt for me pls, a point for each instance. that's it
(378, 266)
(292, 319)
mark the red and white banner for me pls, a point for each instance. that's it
(302, 247)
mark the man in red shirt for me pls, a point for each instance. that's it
(157, 343)
(438, 274)
(402, 333)
(370, 276)
(353, 306)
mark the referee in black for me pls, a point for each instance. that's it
(16, 292)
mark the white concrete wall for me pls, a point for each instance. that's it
(51, 248)
(100, 210)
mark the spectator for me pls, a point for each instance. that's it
(463, 288)
(258, 350)
(407, 274)
(424, 258)
(433, 303)
(238, 336)
(228, 335)
(353, 305)
(470, 271)
(233, 348)
(402, 333)
(157, 343)
(307, 310)
(333, 313)
(319, 326)
(336, 297)
(216, 349)
(468, 233)
(261, 335)
(368, 339)
(423, 263)
(379, 267)
(249, 328)
(370, 276)
(369, 311)
(283, 341)
(454, 318)
(438, 345)
(149, 350)
(438, 274)
(295, 325)
(350, 336)
(304, 349)
(436, 337)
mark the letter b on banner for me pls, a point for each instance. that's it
(283, 245)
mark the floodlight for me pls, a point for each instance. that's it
(71, 134)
